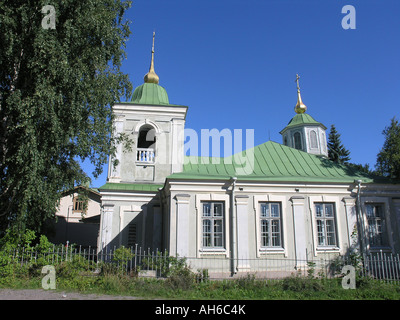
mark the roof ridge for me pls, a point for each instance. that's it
(272, 162)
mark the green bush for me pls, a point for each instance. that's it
(74, 267)
(179, 274)
(249, 282)
(297, 283)
(121, 258)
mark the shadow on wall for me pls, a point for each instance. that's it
(84, 233)
(145, 229)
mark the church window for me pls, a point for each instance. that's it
(313, 139)
(376, 225)
(326, 224)
(213, 225)
(297, 141)
(323, 142)
(270, 224)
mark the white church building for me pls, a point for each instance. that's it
(293, 203)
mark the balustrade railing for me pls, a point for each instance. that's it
(145, 155)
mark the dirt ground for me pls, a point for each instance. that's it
(40, 294)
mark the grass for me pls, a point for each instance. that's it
(77, 275)
(245, 288)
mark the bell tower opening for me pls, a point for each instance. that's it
(146, 144)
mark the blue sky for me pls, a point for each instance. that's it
(234, 63)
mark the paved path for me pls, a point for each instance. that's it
(40, 294)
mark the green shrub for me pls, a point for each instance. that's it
(74, 267)
(202, 275)
(121, 257)
(297, 283)
(179, 274)
(249, 282)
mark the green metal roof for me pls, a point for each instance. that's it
(272, 162)
(302, 119)
(130, 187)
(150, 93)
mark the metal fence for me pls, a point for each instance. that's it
(145, 263)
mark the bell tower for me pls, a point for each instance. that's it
(156, 128)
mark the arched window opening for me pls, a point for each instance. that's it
(313, 139)
(297, 141)
(146, 144)
(323, 142)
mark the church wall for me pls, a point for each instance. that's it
(175, 224)
(298, 221)
(128, 219)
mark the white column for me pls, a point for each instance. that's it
(242, 216)
(182, 224)
(299, 230)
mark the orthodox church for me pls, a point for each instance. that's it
(293, 204)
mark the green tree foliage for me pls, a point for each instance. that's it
(388, 159)
(57, 88)
(336, 151)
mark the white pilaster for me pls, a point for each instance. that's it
(114, 172)
(299, 230)
(242, 216)
(106, 225)
(182, 224)
(351, 219)
(177, 136)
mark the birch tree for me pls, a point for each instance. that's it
(57, 88)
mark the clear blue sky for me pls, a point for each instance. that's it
(234, 62)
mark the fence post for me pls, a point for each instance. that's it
(135, 255)
(390, 267)
(383, 265)
(23, 253)
(372, 269)
(396, 268)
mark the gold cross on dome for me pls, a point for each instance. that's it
(297, 81)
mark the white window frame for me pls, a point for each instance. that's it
(270, 219)
(379, 224)
(212, 197)
(212, 217)
(323, 219)
(386, 212)
(270, 198)
(340, 214)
